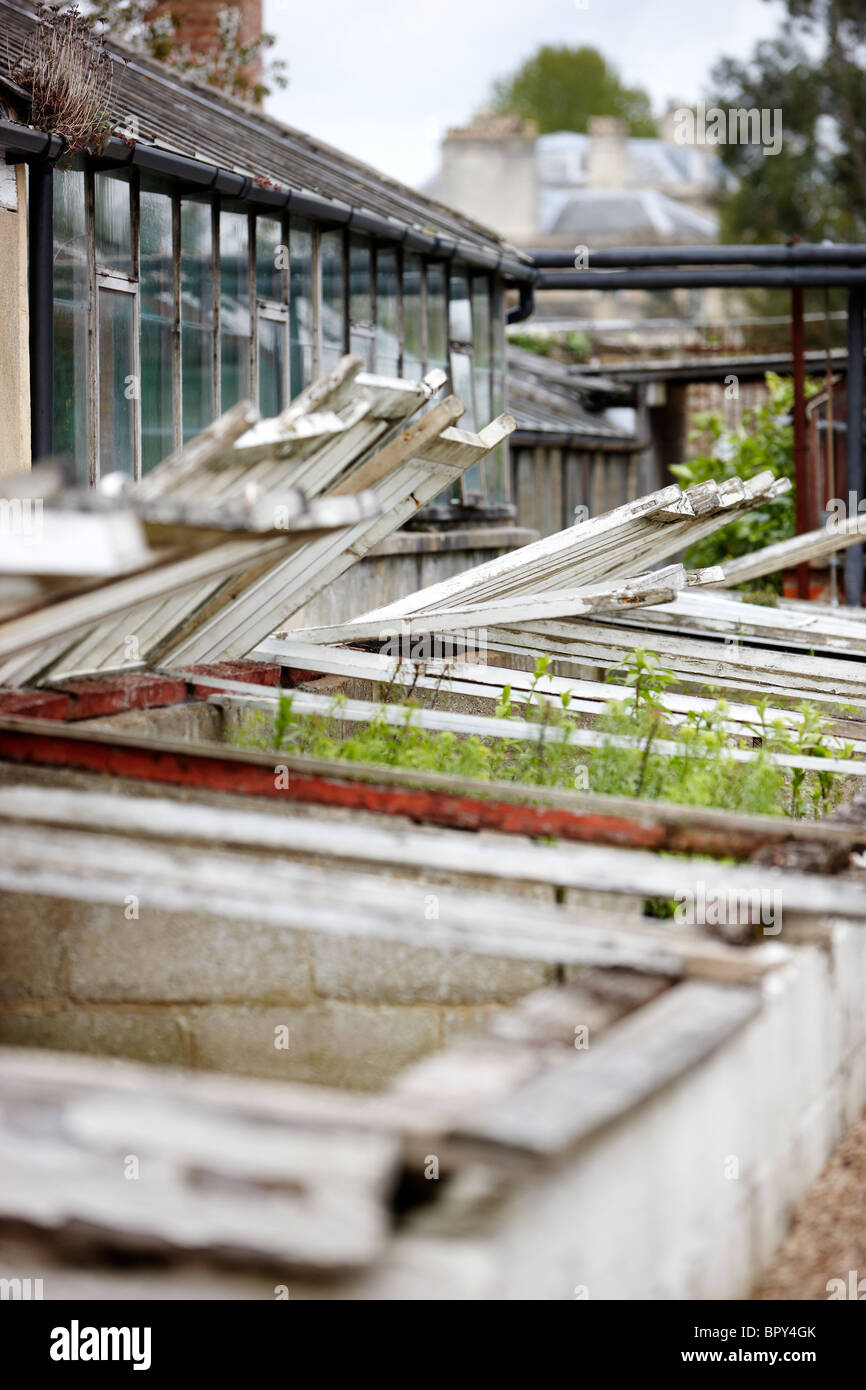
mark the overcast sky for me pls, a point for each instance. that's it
(383, 79)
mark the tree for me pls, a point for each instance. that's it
(561, 88)
(813, 72)
(231, 65)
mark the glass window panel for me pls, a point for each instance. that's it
(271, 366)
(156, 261)
(113, 221)
(300, 304)
(156, 290)
(481, 346)
(361, 300)
(413, 318)
(196, 308)
(70, 319)
(464, 387)
(437, 323)
(333, 297)
(387, 313)
(459, 310)
(270, 259)
(116, 392)
(438, 354)
(70, 385)
(481, 320)
(497, 473)
(70, 236)
(157, 390)
(234, 308)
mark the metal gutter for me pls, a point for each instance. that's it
(23, 143)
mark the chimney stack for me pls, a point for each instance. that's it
(199, 23)
(608, 152)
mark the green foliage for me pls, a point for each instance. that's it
(813, 71)
(560, 88)
(575, 345)
(764, 439)
(230, 63)
(700, 771)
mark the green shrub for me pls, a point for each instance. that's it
(764, 439)
(700, 772)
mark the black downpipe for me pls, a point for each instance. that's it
(721, 277)
(647, 257)
(40, 246)
(854, 478)
(526, 307)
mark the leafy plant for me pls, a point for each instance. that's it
(764, 439)
(697, 767)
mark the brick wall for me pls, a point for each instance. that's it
(198, 18)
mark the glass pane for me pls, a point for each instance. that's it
(437, 324)
(157, 322)
(270, 259)
(70, 319)
(481, 320)
(301, 304)
(413, 319)
(70, 385)
(462, 386)
(234, 308)
(387, 314)
(459, 310)
(481, 346)
(361, 300)
(70, 236)
(197, 373)
(271, 366)
(116, 383)
(157, 390)
(497, 472)
(196, 306)
(113, 221)
(155, 255)
(333, 297)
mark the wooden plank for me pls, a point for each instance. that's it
(219, 1178)
(813, 545)
(453, 676)
(281, 893)
(80, 611)
(633, 1061)
(423, 797)
(612, 871)
(285, 589)
(706, 615)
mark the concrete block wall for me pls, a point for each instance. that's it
(203, 991)
(690, 1194)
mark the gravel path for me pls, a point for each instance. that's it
(828, 1239)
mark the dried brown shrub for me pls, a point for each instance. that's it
(67, 71)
